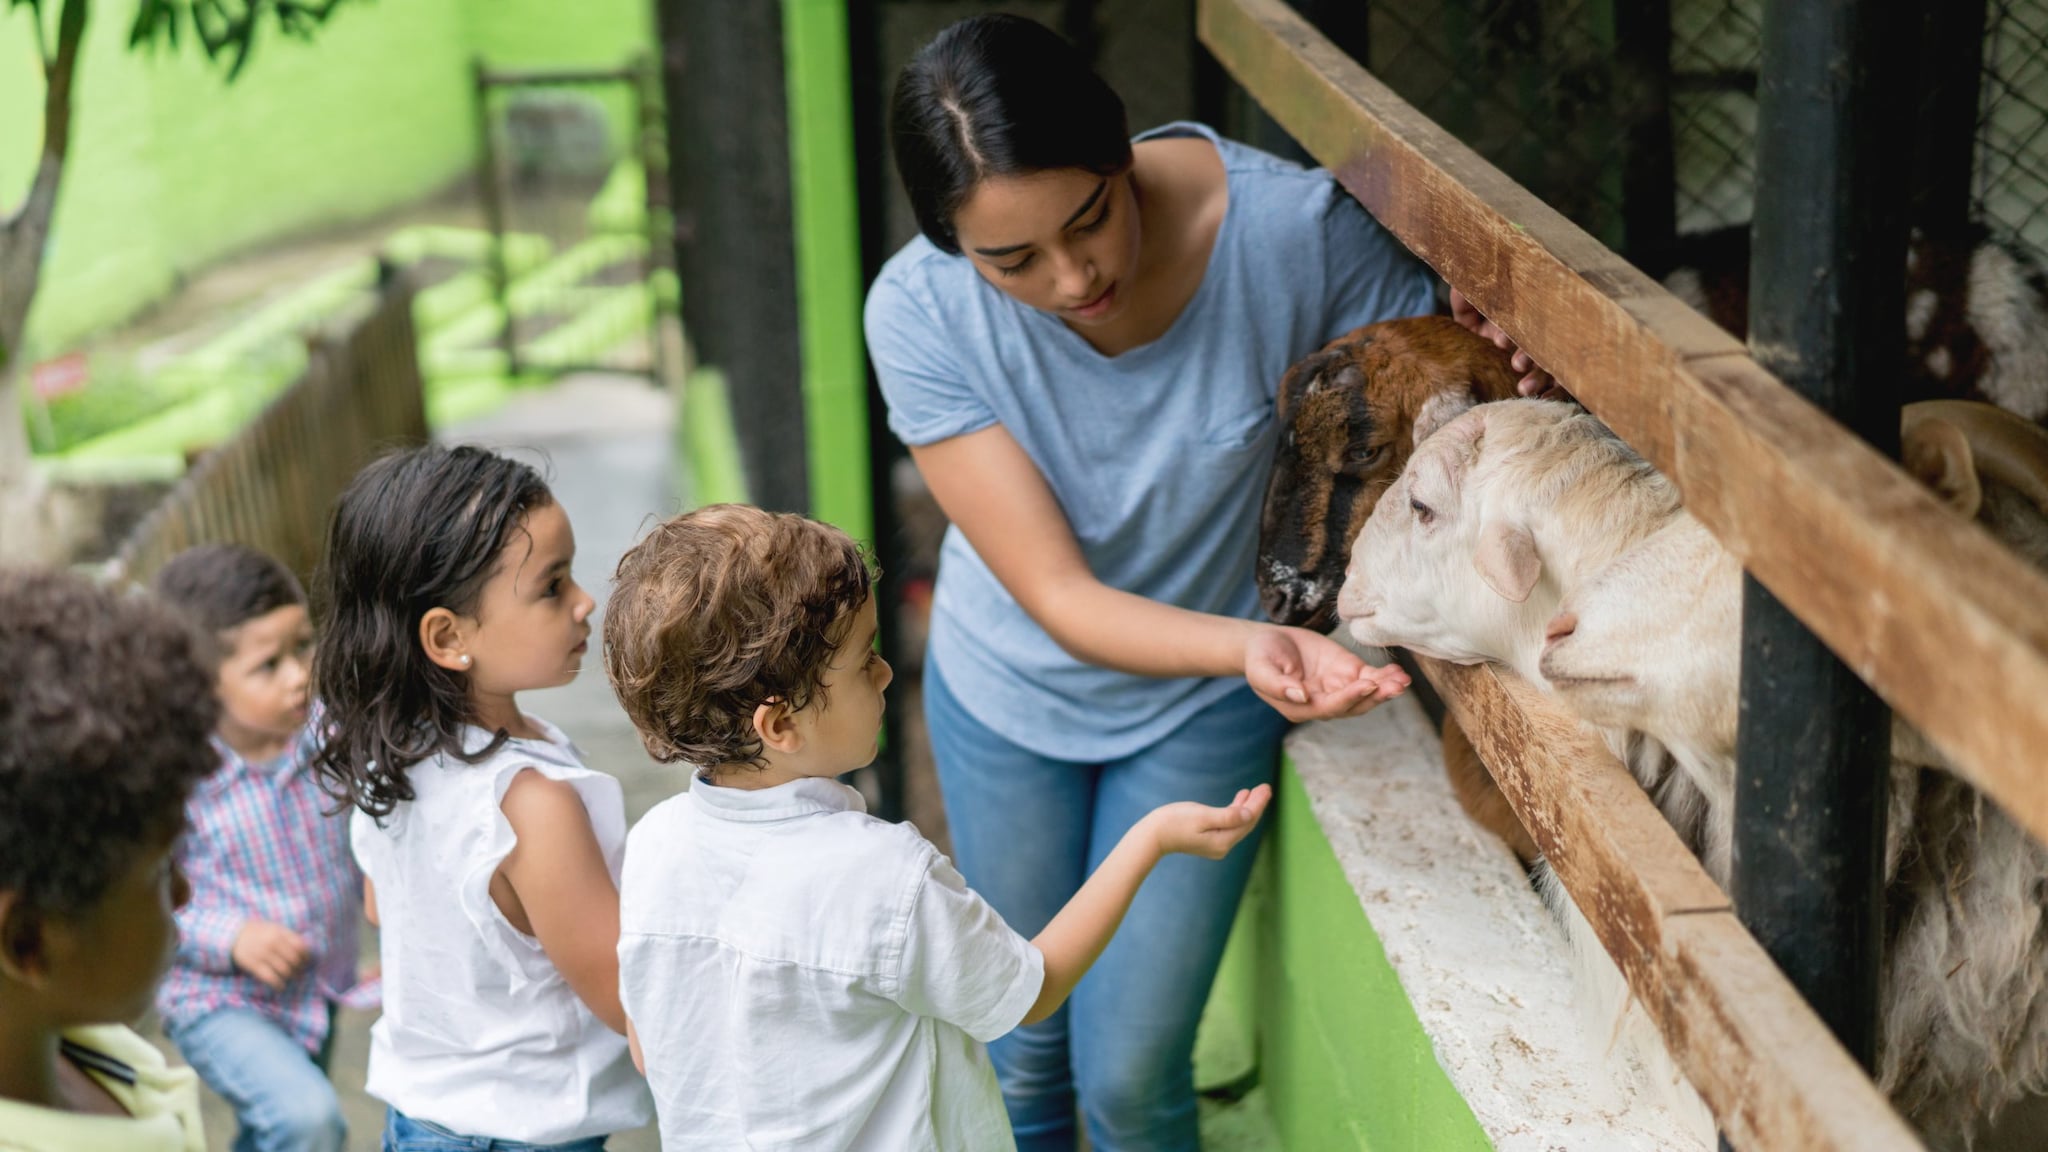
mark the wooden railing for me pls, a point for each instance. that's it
(271, 485)
(1946, 625)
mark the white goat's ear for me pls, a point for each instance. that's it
(1937, 453)
(1507, 559)
(1440, 410)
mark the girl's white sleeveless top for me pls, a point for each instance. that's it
(480, 1033)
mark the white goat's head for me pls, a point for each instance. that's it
(1462, 560)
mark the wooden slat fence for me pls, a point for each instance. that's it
(272, 485)
(1946, 625)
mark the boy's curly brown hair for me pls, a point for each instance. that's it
(721, 610)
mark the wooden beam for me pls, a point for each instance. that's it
(1771, 1072)
(1945, 624)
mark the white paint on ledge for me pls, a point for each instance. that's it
(1485, 966)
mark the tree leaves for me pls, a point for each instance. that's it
(225, 29)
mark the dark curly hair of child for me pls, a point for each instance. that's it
(105, 713)
(720, 610)
(416, 530)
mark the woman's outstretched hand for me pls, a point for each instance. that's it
(1535, 381)
(1308, 676)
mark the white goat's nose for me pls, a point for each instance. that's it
(1561, 625)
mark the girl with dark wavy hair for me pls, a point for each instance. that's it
(490, 853)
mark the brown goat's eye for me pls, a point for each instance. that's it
(1369, 457)
(1422, 511)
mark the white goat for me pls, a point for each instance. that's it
(1653, 642)
(1519, 508)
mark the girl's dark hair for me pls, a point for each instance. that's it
(223, 586)
(997, 95)
(416, 530)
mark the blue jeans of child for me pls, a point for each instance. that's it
(281, 1095)
(402, 1133)
(1027, 830)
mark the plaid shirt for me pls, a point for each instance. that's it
(260, 844)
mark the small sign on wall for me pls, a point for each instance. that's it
(53, 378)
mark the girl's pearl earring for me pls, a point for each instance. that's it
(465, 659)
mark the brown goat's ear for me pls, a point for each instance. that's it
(1938, 455)
(1507, 559)
(1440, 409)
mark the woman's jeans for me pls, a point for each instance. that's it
(1027, 830)
(282, 1099)
(402, 1133)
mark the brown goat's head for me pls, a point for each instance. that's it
(1347, 421)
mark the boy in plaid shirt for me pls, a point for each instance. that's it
(269, 939)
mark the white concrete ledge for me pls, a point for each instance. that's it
(1484, 964)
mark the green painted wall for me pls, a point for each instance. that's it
(818, 78)
(1342, 1058)
(172, 168)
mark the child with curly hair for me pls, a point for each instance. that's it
(269, 940)
(797, 973)
(105, 712)
(490, 854)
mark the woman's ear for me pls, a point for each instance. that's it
(776, 725)
(444, 636)
(21, 941)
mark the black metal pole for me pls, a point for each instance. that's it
(1642, 41)
(870, 102)
(729, 180)
(1826, 308)
(1944, 166)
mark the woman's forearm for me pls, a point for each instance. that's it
(1129, 633)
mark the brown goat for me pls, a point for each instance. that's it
(1347, 417)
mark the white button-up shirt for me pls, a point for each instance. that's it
(802, 975)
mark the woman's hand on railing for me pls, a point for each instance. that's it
(1306, 675)
(1535, 382)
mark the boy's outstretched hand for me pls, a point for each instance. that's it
(1199, 830)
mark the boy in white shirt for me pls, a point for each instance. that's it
(797, 974)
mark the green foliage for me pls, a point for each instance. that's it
(226, 29)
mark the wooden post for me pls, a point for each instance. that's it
(729, 178)
(1826, 301)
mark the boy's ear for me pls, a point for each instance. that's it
(776, 725)
(442, 638)
(21, 941)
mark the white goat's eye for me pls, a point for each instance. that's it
(1422, 511)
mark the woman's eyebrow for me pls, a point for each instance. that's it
(1078, 213)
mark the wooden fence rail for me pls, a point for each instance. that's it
(1947, 626)
(272, 484)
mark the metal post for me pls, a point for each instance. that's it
(1642, 39)
(870, 96)
(1944, 167)
(729, 180)
(1826, 308)
(490, 191)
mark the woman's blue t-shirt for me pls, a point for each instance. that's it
(1158, 456)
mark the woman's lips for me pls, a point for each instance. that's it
(1096, 307)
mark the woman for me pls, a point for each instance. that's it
(1081, 351)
